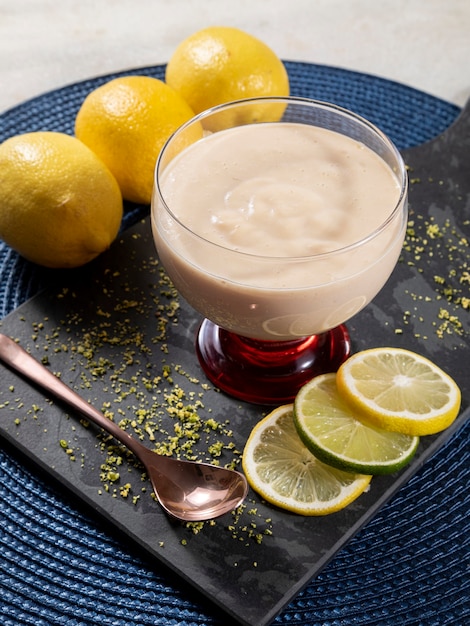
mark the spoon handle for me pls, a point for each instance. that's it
(18, 359)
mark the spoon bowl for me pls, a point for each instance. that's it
(186, 490)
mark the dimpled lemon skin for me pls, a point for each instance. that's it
(60, 206)
(220, 64)
(125, 122)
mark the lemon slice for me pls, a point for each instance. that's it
(329, 428)
(399, 390)
(281, 469)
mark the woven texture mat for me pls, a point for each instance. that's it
(60, 564)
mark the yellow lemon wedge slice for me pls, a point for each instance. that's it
(399, 390)
(283, 471)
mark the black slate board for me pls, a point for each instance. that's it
(251, 581)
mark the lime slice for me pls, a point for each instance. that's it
(399, 390)
(329, 428)
(280, 468)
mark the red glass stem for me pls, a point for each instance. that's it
(268, 372)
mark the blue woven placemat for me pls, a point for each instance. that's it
(60, 564)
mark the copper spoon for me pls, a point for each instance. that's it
(187, 490)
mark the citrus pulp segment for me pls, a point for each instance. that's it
(399, 390)
(280, 468)
(329, 428)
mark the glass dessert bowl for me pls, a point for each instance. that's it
(277, 219)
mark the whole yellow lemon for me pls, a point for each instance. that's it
(60, 206)
(125, 122)
(220, 64)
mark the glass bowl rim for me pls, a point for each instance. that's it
(400, 206)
